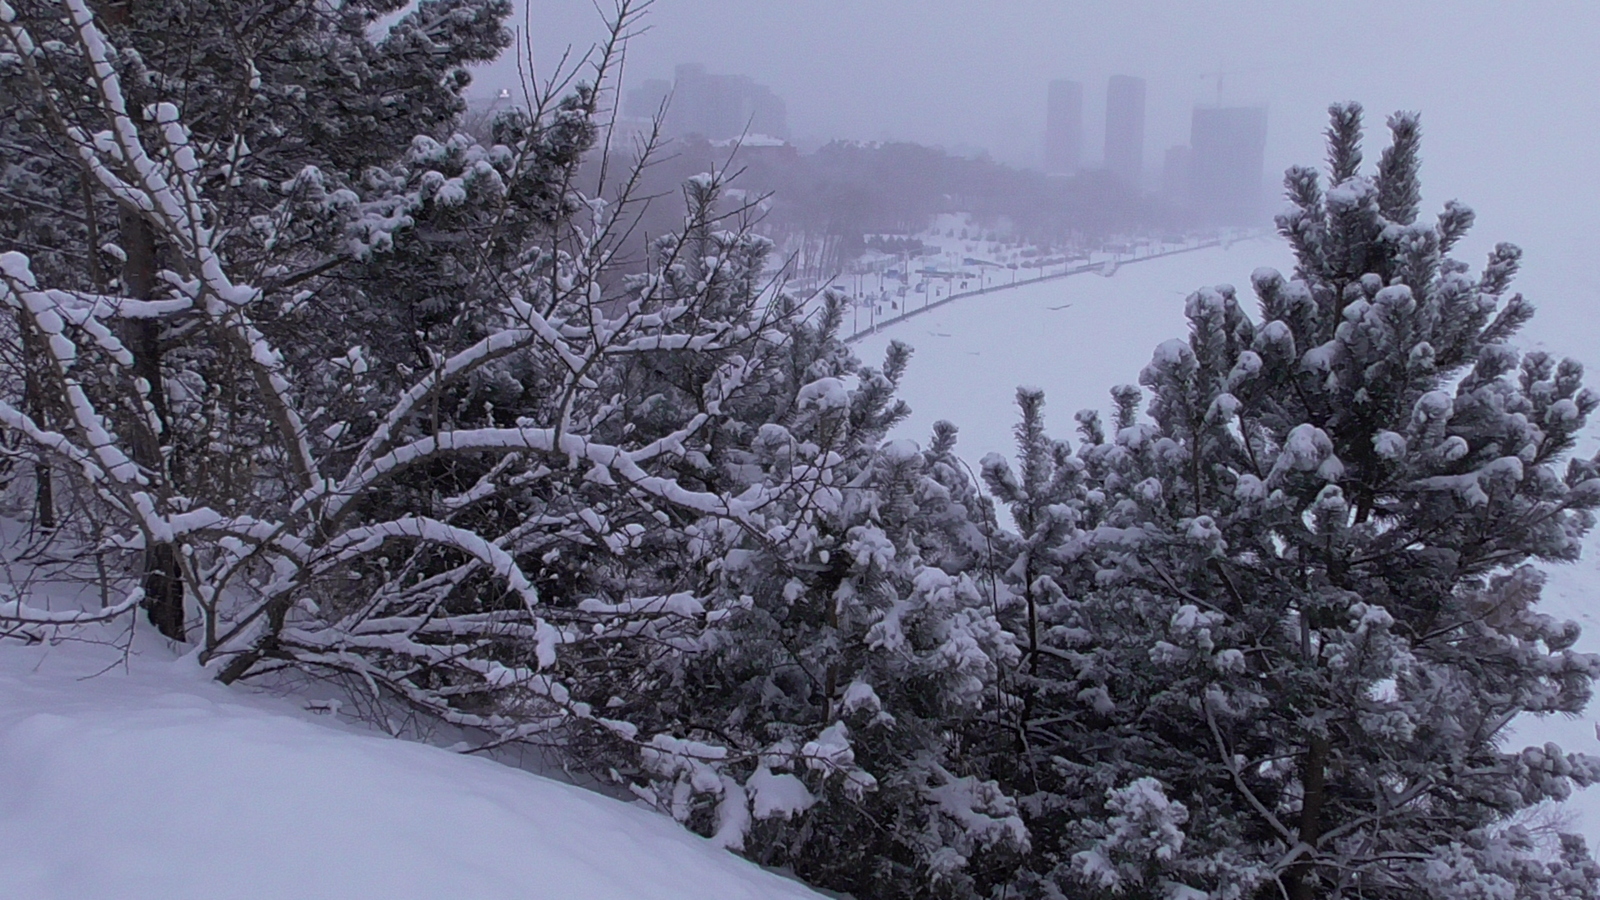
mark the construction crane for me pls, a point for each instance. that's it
(1220, 74)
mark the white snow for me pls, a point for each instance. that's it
(780, 795)
(150, 782)
(860, 695)
(1389, 445)
(823, 394)
(1075, 337)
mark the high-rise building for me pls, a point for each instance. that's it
(1125, 128)
(719, 107)
(1228, 162)
(1063, 127)
(1175, 175)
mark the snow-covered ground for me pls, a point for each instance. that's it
(150, 782)
(957, 254)
(1078, 336)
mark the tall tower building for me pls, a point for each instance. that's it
(1228, 163)
(1063, 127)
(1125, 128)
(1175, 175)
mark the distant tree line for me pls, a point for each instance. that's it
(845, 191)
(894, 244)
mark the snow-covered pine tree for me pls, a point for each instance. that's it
(809, 679)
(871, 646)
(275, 98)
(381, 531)
(556, 509)
(1291, 617)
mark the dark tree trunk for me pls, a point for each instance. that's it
(163, 591)
(1302, 878)
(44, 497)
(163, 577)
(33, 361)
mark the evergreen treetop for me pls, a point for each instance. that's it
(1287, 621)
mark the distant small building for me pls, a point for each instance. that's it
(1063, 128)
(758, 146)
(1228, 163)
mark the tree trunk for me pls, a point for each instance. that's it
(44, 497)
(163, 578)
(1302, 879)
(33, 361)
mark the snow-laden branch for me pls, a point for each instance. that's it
(169, 196)
(365, 538)
(19, 290)
(16, 610)
(269, 560)
(489, 349)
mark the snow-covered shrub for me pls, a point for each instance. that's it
(381, 403)
(1297, 602)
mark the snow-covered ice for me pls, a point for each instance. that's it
(1074, 337)
(150, 782)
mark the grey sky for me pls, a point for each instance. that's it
(1507, 90)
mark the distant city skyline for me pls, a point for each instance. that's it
(723, 106)
(962, 75)
(1506, 125)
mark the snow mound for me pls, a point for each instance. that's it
(152, 783)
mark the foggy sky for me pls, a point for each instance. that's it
(1507, 91)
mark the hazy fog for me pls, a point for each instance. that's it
(1507, 91)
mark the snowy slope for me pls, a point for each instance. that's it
(152, 783)
(1077, 337)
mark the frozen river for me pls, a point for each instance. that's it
(1074, 337)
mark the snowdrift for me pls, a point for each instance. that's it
(149, 782)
